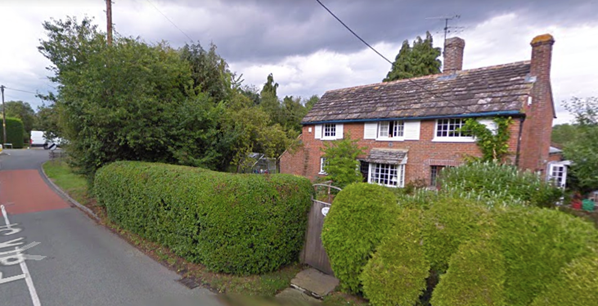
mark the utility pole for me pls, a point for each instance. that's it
(109, 23)
(3, 116)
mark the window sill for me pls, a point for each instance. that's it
(390, 139)
(328, 138)
(322, 173)
(454, 139)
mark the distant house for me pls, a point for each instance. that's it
(410, 127)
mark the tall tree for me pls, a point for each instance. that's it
(419, 60)
(270, 86)
(131, 101)
(23, 111)
(209, 71)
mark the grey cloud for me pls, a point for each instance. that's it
(269, 30)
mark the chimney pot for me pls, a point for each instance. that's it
(453, 54)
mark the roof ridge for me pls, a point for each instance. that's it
(431, 76)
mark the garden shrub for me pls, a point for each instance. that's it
(491, 181)
(577, 285)
(536, 244)
(396, 274)
(360, 216)
(14, 132)
(233, 223)
(475, 276)
(448, 223)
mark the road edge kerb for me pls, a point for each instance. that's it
(66, 196)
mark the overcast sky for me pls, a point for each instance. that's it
(307, 50)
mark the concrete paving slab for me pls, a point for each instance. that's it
(315, 282)
(292, 296)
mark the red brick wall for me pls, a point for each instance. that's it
(422, 154)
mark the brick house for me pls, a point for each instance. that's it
(409, 126)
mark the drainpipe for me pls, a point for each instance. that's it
(519, 141)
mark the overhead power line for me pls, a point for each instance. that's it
(362, 40)
(157, 9)
(347, 27)
(35, 93)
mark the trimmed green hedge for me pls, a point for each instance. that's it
(536, 244)
(449, 223)
(397, 272)
(14, 132)
(475, 276)
(232, 223)
(577, 285)
(359, 218)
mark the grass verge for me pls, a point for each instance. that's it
(266, 285)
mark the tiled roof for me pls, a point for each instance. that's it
(386, 156)
(502, 89)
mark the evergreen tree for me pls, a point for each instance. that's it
(419, 60)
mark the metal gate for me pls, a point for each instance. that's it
(313, 253)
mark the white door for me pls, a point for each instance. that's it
(557, 173)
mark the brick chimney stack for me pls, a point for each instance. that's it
(453, 55)
(539, 109)
(541, 56)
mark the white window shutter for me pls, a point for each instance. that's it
(369, 130)
(411, 130)
(339, 131)
(318, 132)
(490, 124)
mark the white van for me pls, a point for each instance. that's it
(37, 139)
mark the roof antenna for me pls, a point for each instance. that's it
(447, 29)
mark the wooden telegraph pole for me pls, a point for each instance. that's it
(109, 18)
(3, 116)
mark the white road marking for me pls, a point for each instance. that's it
(28, 279)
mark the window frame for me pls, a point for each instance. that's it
(391, 124)
(377, 176)
(558, 177)
(448, 122)
(434, 172)
(322, 163)
(333, 130)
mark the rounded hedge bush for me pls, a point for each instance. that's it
(577, 285)
(232, 223)
(359, 218)
(396, 274)
(475, 276)
(536, 244)
(448, 223)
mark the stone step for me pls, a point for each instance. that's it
(314, 283)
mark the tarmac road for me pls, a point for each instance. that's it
(77, 262)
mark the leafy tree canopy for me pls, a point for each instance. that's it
(23, 111)
(413, 61)
(581, 149)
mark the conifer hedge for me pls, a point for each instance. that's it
(14, 132)
(234, 223)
